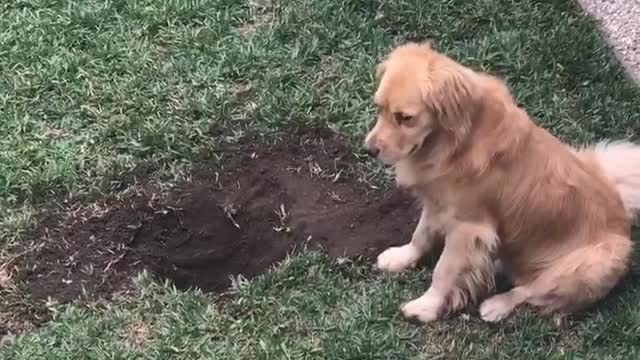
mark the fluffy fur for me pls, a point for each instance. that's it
(496, 187)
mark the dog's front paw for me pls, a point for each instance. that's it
(397, 259)
(425, 309)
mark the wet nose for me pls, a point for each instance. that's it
(371, 151)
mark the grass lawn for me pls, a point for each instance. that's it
(92, 91)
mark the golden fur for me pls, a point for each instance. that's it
(496, 187)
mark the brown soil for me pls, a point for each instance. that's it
(227, 220)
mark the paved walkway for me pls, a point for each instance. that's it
(620, 22)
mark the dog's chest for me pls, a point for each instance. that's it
(445, 197)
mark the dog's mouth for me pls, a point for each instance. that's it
(414, 149)
(420, 145)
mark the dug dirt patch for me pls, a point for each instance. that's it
(237, 218)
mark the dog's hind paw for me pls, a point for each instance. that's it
(496, 308)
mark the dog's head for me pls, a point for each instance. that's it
(422, 95)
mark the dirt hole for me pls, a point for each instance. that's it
(236, 219)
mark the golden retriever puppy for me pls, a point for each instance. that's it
(496, 187)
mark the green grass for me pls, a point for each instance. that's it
(93, 91)
(312, 307)
(90, 90)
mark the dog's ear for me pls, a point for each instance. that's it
(451, 96)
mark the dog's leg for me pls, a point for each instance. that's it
(541, 292)
(464, 272)
(571, 282)
(400, 258)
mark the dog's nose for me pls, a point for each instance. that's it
(371, 151)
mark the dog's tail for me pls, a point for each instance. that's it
(620, 162)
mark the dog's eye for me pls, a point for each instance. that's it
(402, 118)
